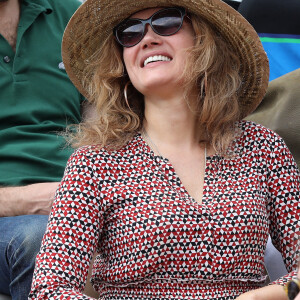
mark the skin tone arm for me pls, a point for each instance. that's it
(270, 292)
(27, 200)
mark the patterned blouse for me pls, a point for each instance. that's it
(153, 240)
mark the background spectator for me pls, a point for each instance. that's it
(37, 101)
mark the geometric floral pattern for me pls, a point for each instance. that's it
(156, 242)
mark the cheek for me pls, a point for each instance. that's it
(188, 35)
(188, 41)
(125, 58)
(128, 57)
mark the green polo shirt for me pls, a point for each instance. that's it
(37, 98)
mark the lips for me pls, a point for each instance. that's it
(155, 58)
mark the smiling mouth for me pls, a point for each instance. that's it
(156, 58)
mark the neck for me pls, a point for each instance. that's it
(9, 20)
(9, 9)
(171, 122)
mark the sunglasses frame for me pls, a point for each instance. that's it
(144, 22)
(289, 288)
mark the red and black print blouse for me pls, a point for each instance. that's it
(156, 242)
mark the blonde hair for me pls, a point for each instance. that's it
(211, 67)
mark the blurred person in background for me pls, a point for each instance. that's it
(37, 101)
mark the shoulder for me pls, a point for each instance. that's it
(259, 146)
(91, 154)
(256, 137)
(64, 8)
(104, 158)
(254, 131)
(67, 5)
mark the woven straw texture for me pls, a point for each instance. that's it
(95, 19)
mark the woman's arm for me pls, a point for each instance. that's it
(71, 236)
(283, 209)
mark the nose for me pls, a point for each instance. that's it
(150, 38)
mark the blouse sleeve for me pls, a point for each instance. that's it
(283, 206)
(72, 234)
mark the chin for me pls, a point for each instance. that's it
(158, 83)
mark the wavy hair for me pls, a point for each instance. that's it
(211, 67)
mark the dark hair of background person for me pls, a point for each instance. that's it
(272, 16)
(234, 4)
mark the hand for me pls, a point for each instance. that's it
(27, 200)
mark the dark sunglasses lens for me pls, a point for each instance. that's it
(130, 32)
(167, 21)
(293, 290)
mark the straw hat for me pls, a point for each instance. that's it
(94, 21)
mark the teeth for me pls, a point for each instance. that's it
(156, 58)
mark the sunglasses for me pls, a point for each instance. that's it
(292, 288)
(165, 22)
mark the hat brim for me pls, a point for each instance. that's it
(94, 21)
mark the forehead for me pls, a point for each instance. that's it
(145, 13)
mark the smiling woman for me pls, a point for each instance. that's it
(173, 190)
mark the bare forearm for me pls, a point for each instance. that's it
(30, 199)
(270, 292)
(10, 201)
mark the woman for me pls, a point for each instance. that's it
(174, 192)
